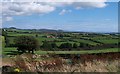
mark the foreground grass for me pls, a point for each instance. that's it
(46, 63)
(9, 51)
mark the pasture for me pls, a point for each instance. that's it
(79, 38)
(13, 51)
(90, 39)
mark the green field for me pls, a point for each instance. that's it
(86, 41)
(90, 39)
(106, 39)
(10, 50)
(79, 52)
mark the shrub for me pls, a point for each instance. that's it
(54, 45)
(66, 45)
(75, 45)
(46, 45)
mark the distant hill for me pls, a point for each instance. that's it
(34, 30)
(53, 31)
(49, 30)
(12, 28)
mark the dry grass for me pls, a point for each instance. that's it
(46, 63)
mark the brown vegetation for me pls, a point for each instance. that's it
(87, 63)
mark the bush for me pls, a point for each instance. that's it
(83, 45)
(66, 45)
(46, 45)
(75, 45)
(54, 45)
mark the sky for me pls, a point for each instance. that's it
(69, 16)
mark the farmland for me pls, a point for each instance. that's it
(90, 47)
(92, 38)
(95, 41)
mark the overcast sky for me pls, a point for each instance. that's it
(71, 16)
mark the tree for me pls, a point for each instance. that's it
(46, 45)
(62, 46)
(54, 45)
(66, 45)
(36, 35)
(4, 33)
(84, 45)
(7, 42)
(26, 43)
(75, 45)
(81, 45)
